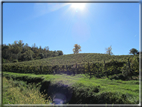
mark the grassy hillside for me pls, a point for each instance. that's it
(71, 59)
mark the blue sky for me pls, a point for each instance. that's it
(94, 26)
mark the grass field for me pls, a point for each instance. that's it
(18, 92)
(99, 91)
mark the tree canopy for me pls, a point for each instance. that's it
(22, 52)
(76, 48)
(133, 51)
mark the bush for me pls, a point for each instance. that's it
(135, 64)
(117, 77)
(26, 69)
(15, 60)
(130, 67)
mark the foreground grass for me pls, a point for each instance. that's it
(129, 89)
(16, 92)
(123, 91)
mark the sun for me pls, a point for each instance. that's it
(79, 6)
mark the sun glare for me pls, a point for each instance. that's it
(79, 6)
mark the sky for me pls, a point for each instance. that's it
(93, 26)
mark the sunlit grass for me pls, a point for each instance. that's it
(18, 94)
(81, 82)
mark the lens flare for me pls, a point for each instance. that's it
(79, 6)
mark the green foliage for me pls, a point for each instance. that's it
(90, 91)
(113, 64)
(15, 60)
(22, 52)
(131, 67)
(41, 55)
(60, 52)
(133, 51)
(3, 60)
(126, 70)
(100, 69)
(27, 69)
(18, 92)
(135, 64)
(118, 77)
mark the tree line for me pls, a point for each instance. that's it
(18, 51)
(77, 48)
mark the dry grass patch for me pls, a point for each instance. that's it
(18, 94)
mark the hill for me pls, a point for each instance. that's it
(94, 64)
(71, 59)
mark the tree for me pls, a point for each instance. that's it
(28, 55)
(16, 48)
(40, 49)
(59, 52)
(76, 48)
(133, 51)
(54, 53)
(25, 48)
(41, 55)
(20, 44)
(5, 51)
(109, 50)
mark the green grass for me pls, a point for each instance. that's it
(17, 92)
(83, 86)
(93, 91)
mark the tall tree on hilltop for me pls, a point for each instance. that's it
(109, 50)
(133, 51)
(76, 48)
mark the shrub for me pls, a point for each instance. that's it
(135, 64)
(15, 60)
(127, 70)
